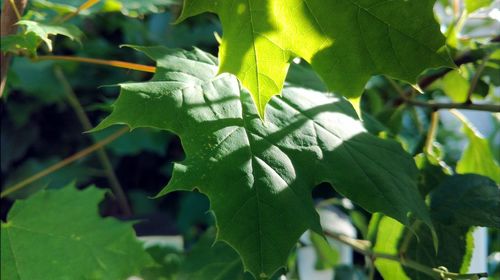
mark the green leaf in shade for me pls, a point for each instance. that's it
(58, 234)
(207, 260)
(432, 173)
(43, 30)
(474, 5)
(467, 200)
(258, 174)
(20, 43)
(454, 251)
(477, 157)
(344, 41)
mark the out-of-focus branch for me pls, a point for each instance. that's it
(8, 20)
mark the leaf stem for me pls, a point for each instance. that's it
(464, 106)
(405, 243)
(431, 134)
(81, 154)
(361, 247)
(83, 7)
(114, 63)
(14, 8)
(101, 153)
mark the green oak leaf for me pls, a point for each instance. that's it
(259, 174)
(454, 251)
(345, 41)
(468, 200)
(43, 30)
(58, 234)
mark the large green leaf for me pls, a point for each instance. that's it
(59, 235)
(259, 175)
(467, 200)
(345, 41)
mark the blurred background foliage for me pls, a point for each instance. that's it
(40, 124)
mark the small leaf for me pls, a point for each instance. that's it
(477, 157)
(467, 200)
(258, 174)
(43, 30)
(59, 235)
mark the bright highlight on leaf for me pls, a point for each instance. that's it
(43, 30)
(259, 175)
(345, 41)
(58, 234)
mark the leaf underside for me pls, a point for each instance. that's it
(259, 174)
(345, 41)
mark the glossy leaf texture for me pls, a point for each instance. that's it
(345, 41)
(69, 241)
(259, 174)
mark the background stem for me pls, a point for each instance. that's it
(101, 152)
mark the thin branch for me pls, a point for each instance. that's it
(81, 154)
(464, 106)
(83, 7)
(114, 63)
(14, 8)
(361, 247)
(11, 13)
(431, 133)
(476, 78)
(101, 153)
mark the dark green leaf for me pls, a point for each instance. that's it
(258, 174)
(467, 200)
